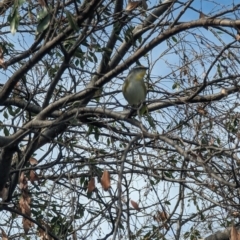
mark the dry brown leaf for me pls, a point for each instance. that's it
(24, 206)
(26, 197)
(91, 185)
(43, 234)
(33, 176)
(234, 234)
(235, 214)
(2, 62)
(4, 193)
(42, 3)
(33, 161)
(161, 217)
(23, 185)
(26, 225)
(237, 37)
(202, 111)
(195, 81)
(4, 235)
(184, 71)
(22, 176)
(132, 5)
(135, 205)
(105, 180)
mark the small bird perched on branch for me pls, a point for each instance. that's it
(134, 89)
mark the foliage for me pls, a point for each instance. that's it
(76, 162)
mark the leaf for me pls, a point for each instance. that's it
(6, 132)
(202, 111)
(23, 182)
(42, 3)
(33, 176)
(43, 20)
(96, 133)
(33, 161)
(43, 233)
(151, 121)
(11, 112)
(175, 85)
(13, 19)
(72, 21)
(2, 62)
(5, 115)
(161, 217)
(4, 193)
(94, 57)
(91, 185)
(4, 235)
(219, 71)
(26, 225)
(132, 5)
(135, 205)
(90, 129)
(234, 234)
(24, 206)
(105, 180)
(174, 39)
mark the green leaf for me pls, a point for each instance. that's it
(118, 38)
(94, 57)
(13, 19)
(174, 39)
(20, 2)
(85, 43)
(152, 182)
(79, 53)
(96, 133)
(42, 14)
(43, 20)
(17, 110)
(167, 203)
(11, 112)
(72, 21)
(219, 71)
(6, 132)
(90, 129)
(175, 85)
(140, 39)
(143, 110)
(107, 49)
(76, 104)
(90, 59)
(168, 174)
(151, 122)
(5, 115)
(76, 62)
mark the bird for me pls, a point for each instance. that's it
(134, 89)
